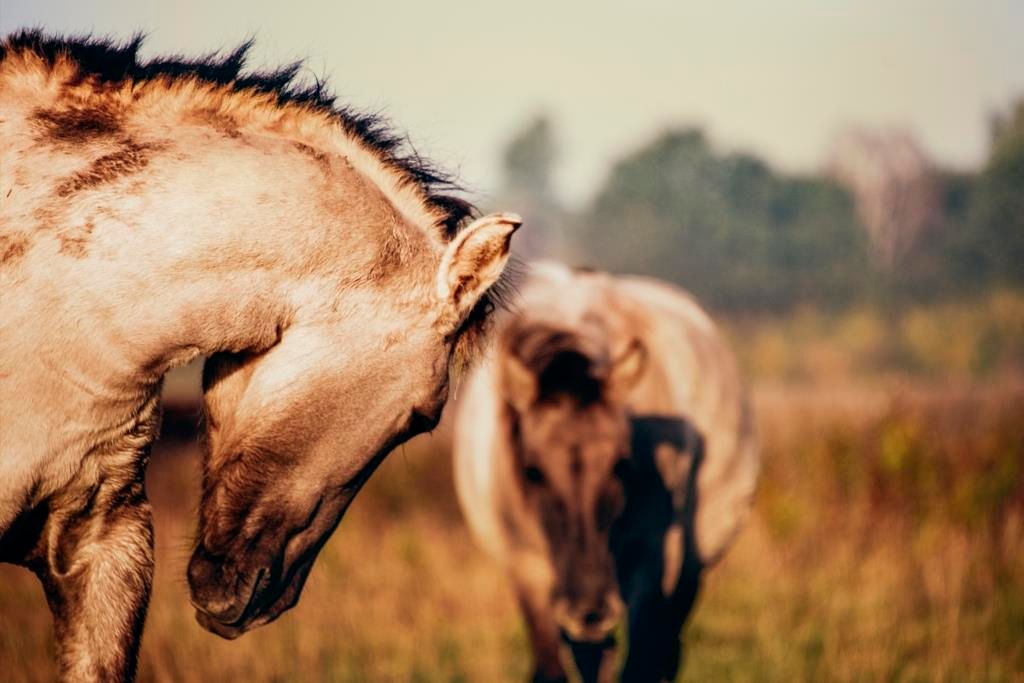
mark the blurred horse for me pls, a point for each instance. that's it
(156, 212)
(605, 456)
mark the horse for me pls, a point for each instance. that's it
(605, 456)
(157, 211)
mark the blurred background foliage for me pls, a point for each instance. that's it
(890, 261)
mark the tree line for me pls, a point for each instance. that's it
(879, 224)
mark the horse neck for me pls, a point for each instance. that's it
(198, 269)
(120, 329)
(203, 244)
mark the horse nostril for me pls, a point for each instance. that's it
(203, 568)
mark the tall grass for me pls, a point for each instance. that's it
(887, 543)
(981, 338)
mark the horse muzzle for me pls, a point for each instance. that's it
(588, 621)
(229, 603)
(223, 596)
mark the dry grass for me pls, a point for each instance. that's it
(887, 544)
(980, 338)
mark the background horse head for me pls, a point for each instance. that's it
(571, 444)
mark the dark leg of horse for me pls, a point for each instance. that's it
(655, 626)
(595, 661)
(97, 570)
(545, 637)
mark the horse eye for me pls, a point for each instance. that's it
(534, 474)
(420, 423)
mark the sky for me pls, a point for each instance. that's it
(777, 78)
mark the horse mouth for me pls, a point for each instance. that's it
(266, 601)
(589, 625)
(588, 633)
(229, 602)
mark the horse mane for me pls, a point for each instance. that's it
(108, 62)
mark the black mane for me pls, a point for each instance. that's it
(108, 61)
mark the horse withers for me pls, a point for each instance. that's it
(153, 212)
(606, 457)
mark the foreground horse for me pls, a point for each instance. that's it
(152, 213)
(605, 456)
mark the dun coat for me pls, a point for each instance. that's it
(154, 212)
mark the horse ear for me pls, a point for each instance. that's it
(627, 369)
(518, 384)
(473, 262)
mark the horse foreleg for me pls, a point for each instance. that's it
(595, 661)
(97, 573)
(655, 625)
(545, 637)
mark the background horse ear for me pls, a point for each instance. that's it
(627, 369)
(473, 262)
(519, 386)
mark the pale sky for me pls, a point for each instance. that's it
(778, 78)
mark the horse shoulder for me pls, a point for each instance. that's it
(702, 377)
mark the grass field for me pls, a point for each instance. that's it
(887, 544)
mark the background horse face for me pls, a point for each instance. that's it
(572, 454)
(294, 432)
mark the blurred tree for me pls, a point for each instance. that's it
(529, 160)
(893, 185)
(994, 247)
(727, 227)
(930, 272)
